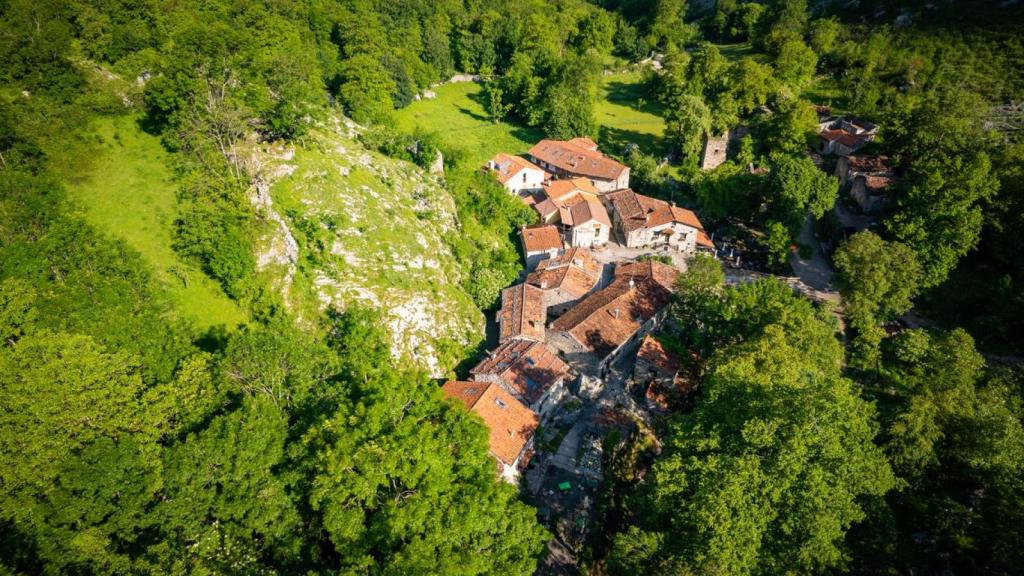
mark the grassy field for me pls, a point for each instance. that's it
(128, 192)
(625, 115)
(458, 116)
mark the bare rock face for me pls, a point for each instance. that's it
(437, 166)
(346, 226)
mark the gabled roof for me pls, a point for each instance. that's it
(562, 189)
(607, 318)
(541, 239)
(575, 272)
(582, 208)
(522, 313)
(584, 142)
(655, 353)
(509, 422)
(575, 158)
(528, 368)
(638, 211)
(506, 166)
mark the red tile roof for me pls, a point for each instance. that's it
(510, 423)
(576, 159)
(561, 189)
(607, 318)
(653, 352)
(575, 272)
(869, 164)
(541, 239)
(505, 166)
(522, 313)
(528, 368)
(638, 211)
(584, 142)
(581, 209)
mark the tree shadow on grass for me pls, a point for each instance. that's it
(632, 95)
(616, 140)
(473, 115)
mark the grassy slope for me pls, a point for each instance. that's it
(128, 192)
(457, 114)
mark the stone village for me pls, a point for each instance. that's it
(577, 347)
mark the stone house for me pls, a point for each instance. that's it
(574, 206)
(844, 136)
(540, 242)
(867, 178)
(613, 320)
(716, 148)
(530, 371)
(642, 221)
(522, 313)
(565, 279)
(517, 175)
(510, 424)
(579, 158)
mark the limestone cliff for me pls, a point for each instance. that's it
(345, 225)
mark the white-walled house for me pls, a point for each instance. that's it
(517, 175)
(540, 242)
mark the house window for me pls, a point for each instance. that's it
(524, 176)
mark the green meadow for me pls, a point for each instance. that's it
(457, 114)
(127, 190)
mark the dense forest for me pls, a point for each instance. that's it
(137, 441)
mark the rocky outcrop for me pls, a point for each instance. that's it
(346, 226)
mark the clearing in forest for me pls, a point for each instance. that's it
(457, 115)
(128, 191)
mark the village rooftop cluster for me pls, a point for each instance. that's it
(586, 299)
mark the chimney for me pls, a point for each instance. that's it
(615, 312)
(543, 284)
(632, 284)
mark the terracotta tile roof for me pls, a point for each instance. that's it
(575, 272)
(505, 166)
(583, 208)
(869, 164)
(510, 423)
(877, 184)
(545, 207)
(663, 274)
(852, 140)
(832, 135)
(704, 240)
(638, 211)
(655, 353)
(610, 316)
(528, 368)
(573, 158)
(541, 239)
(585, 143)
(522, 313)
(561, 189)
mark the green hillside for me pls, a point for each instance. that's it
(369, 230)
(127, 191)
(458, 117)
